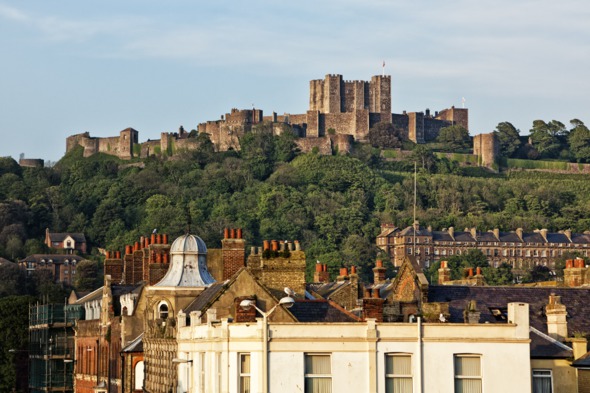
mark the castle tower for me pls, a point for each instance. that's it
(333, 94)
(487, 149)
(381, 97)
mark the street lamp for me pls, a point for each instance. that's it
(286, 302)
(188, 363)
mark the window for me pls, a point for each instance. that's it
(468, 374)
(163, 311)
(398, 373)
(542, 381)
(318, 378)
(244, 373)
(201, 372)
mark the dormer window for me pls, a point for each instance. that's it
(69, 244)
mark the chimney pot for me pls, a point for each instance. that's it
(107, 255)
(266, 245)
(376, 293)
(239, 233)
(470, 270)
(128, 249)
(353, 270)
(379, 263)
(275, 245)
(478, 271)
(159, 238)
(367, 293)
(166, 258)
(232, 233)
(165, 238)
(318, 267)
(153, 240)
(225, 233)
(569, 263)
(343, 272)
(118, 255)
(136, 246)
(253, 250)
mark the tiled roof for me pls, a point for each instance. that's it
(576, 300)
(442, 236)
(464, 237)
(557, 238)
(321, 311)
(60, 237)
(487, 237)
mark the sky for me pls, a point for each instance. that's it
(101, 66)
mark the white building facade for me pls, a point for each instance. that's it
(356, 357)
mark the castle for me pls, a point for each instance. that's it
(340, 112)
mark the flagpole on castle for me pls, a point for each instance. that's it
(383, 71)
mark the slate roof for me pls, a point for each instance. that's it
(321, 311)
(545, 347)
(60, 237)
(326, 289)
(489, 236)
(206, 297)
(576, 300)
(135, 346)
(55, 258)
(583, 361)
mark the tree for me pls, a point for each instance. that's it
(87, 276)
(14, 323)
(538, 273)
(508, 136)
(546, 137)
(579, 141)
(502, 275)
(424, 157)
(385, 135)
(454, 137)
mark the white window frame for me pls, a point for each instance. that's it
(394, 376)
(308, 376)
(243, 375)
(461, 377)
(539, 375)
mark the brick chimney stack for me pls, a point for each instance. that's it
(233, 252)
(373, 304)
(379, 272)
(444, 273)
(556, 318)
(321, 273)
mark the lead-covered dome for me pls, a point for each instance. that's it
(188, 244)
(188, 264)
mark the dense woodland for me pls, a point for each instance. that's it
(333, 204)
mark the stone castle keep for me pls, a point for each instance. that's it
(340, 112)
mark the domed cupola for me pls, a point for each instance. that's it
(188, 265)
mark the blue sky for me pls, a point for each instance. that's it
(102, 66)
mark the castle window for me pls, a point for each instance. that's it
(163, 311)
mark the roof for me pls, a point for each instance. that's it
(136, 345)
(188, 265)
(53, 258)
(321, 310)
(60, 237)
(576, 300)
(545, 347)
(325, 289)
(5, 262)
(206, 297)
(489, 236)
(583, 361)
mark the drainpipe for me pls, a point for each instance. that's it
(420, 378)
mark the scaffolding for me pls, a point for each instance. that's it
(51, 347)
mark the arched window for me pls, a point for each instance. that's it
(163, 310)
(138, 374)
